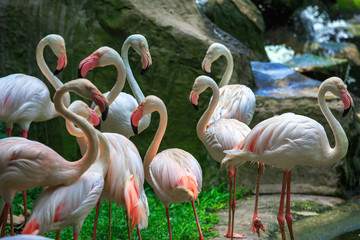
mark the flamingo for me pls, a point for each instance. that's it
(289, 139)
(236, 101)
(62, 206)
(26, 164)
(24, 99)
(26, 237)
(124, 179)
(174, 174)
(124, 104)
(222, 134)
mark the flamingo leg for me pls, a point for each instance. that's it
(11, 221)
(138, 231)
(25, 205)
(234, 235)
(96, 219)
(76, 236)
(110, 220)
(25, 133)
(280, 216)
(288, 216)
(128, 226)
(231, 175)
(168, 220)
(57, 235)
(257, 223)
(9, 132)
(201, 236)
(3, 219)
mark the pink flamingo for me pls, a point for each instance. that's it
(236, 101)
(62, 206)
(288, 140)
(174, 174)
(124, 104)
(124, 179)
(222, 134)
(27, 164)
(24, 99)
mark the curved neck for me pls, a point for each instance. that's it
(154, 146)
(229, 68)
(91, 154)
(120, 81)
(341, 141)
(102, 162)
(139, 96)
(55, 82)
(201, 126)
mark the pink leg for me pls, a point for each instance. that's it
(3, 219)
(139, 233)
(231, 175)
(96, 220)
(280, 216)
(257, 223)
(57, 235)
(25, 206)
(76, 235)
(201, 236)
(25, 133)
(9, 132)
(128, 226)
(11, 221)
(168, 220)
(288, 216)
(109, 220)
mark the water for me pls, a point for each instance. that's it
(279, 53)
(320, 28)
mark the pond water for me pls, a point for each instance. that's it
(353, 235)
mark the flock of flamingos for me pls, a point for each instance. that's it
(111, 167)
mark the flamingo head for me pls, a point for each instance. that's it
(101, 57)
(212, 54)
(200, 85)
(141, 47)
(57, 44)
(83, 110)
(336, 86)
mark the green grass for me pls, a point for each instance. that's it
(183, 223)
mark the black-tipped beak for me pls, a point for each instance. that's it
(105, 113)
(79, 73)
(135, 129)
(346, 111)
(98, 127)
(143, 71)
(58, 71)
(196, 107)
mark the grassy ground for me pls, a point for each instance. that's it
(183, 223)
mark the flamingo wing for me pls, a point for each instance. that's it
(283, 138)
(235, 102)
(63, 206)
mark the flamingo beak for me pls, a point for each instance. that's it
(193, 98)
(94, 119)
(145, 60)
(206, 66)
(347, 101)
(135, 118)
(102, 102)
(61, 63)
(88, 64)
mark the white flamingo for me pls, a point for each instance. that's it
(26, 164)
(221, 135)
(124, 104)
(174, 174)
(288, 140)
(62, 206)
(124, 179)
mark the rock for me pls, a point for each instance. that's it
(241, 19)
(317, 67)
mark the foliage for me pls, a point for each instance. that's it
(183, 223)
